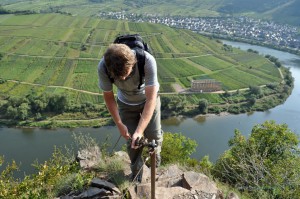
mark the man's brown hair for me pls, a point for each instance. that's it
(119, 58)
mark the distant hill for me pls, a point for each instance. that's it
(283, 11)
(244, 6)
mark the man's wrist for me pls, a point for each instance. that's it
(139, 134)
(119, 123)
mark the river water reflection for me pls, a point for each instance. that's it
(211, 132)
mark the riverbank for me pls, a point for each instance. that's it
(51, 124)
(237, 102)
(60, 113)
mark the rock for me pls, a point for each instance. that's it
(89, 158)
(169, 193)
(196, 195)
(171, 183)
(144, 191)
(197, 181)
(132, 192)
(93, 192)
(96, 182)
(146, 177)
(170, 178)
(122, 155)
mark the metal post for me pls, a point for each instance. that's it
(151, 147)
(153, 173)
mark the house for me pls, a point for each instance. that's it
(205, 85)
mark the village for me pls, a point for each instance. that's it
(268, 32)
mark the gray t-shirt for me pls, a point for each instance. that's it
(127, 90)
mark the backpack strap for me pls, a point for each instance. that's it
(140, 56)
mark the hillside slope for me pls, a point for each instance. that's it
(284, 11)
(59, 53)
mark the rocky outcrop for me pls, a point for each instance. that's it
(89, 158)
(171, 183)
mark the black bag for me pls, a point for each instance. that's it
(135, 42)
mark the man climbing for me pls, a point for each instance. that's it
(136, 112)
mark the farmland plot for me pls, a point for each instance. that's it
(13, 67)
(178, 68)
(107, 24)
(211, 62)
(39, 48)
(49, 72)
(6, 87)
(98, 36)
(85, 76)
(235, 79)
(20, 20)
(91, 23)
(34, 69)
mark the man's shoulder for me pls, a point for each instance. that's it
(101, 64)
(147, 54)
(149, 59)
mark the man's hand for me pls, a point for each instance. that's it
(123, 130)
(135, 136)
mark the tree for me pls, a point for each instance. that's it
(177, 148)
(203, 106)
(259, 164)
(23, 111)
(3, 11)
(58, 103)
(11, 112)
(252, 100)
(256, 90)
(173, 104)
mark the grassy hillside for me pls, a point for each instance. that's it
(58, 53)
(285, 11)
(92, 7)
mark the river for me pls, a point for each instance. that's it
(211, 132)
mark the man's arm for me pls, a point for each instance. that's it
(111, 105)
(151, 96)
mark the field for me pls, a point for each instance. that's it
(59, 53)
(283, 11)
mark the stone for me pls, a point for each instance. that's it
(123, 156)
(197, 181)
(171, 177)
(146, 177)
(171, 183)
(96, 182)
(132, 192)
(89, 158)
(144, 191)
(169, 193)
(93, 192)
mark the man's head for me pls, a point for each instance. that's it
(119, 60)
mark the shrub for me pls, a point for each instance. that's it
(203, 106)
(258, 165)
(177, 148)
